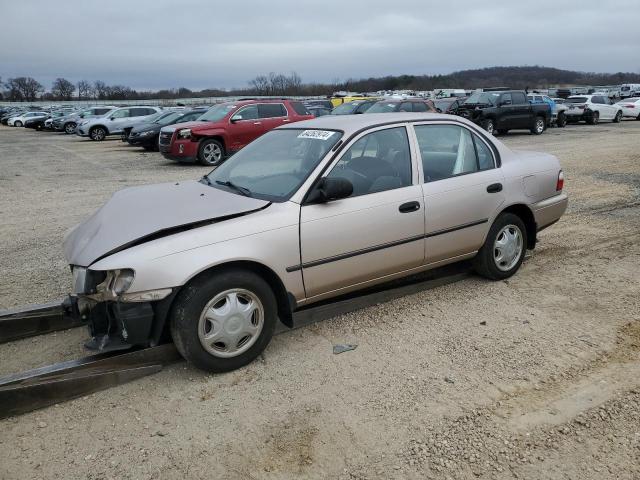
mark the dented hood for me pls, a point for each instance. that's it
(138, 214)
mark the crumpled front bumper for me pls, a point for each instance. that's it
(118, 325)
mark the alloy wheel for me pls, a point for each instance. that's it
(212, 153)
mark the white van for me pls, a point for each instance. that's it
(628, 89)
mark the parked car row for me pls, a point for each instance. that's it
(209, 135)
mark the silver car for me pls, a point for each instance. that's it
(113, 122)
(307, 212)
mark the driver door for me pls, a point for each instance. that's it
(378, 230)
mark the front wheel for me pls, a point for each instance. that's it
(489, 126)
(17, 124)
(98, 134)
(617, 118)
(224, 321)
(538, 126)
(504, 248)
(210, 152)
(70, 128)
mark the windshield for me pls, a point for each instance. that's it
(485, 98)
(167, 118)
(383, 107)
(576, 99)
(443, 105)
(625, 88)
(217, 113)
(345, 109)
(275, 165)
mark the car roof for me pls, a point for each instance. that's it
(350, 124)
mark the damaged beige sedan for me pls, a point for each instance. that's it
(305, 213)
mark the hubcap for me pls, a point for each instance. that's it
(540, 126)
(507, 248)
(212, 152)
(231, 323)
(98, 134)
(490, 127)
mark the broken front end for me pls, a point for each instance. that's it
(118, 320)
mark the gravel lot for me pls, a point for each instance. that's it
(537, 377)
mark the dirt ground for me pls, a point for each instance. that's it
(536, 377)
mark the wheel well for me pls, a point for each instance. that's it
(218, 138)
(285, 307)
(93, 127)
(529, 220)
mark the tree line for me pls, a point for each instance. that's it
(28, 89)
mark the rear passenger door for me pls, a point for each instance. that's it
(522, 110)
(272, 115)
(379, 229)
(462, 189)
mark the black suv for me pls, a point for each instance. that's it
(505, 110)
(146, 134)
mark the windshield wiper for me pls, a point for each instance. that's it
(205, 179)
(228, 183)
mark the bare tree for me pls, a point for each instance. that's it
(24, 88)
(62, 89)
(260, 84)
(84, 89)
(100, 89)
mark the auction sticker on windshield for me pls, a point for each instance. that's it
(317, 134)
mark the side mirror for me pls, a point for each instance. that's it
(331, 188)
(236, 118)
(112, 118)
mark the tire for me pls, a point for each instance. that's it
(210, 152)
(561, 121)
(488, 262)
(595, 118)
(538, 126)
(17, 123)
(189, 324)
(489, 126)
(617, 118)
(70, 128)
(97, 133)
(149, 148)
(503, 131)
(638, 117)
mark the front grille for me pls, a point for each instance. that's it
(165, 138)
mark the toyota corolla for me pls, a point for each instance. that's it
(305, 213)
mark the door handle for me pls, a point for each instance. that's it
(409, 207)
(494, 188)
(257, 123)
(286, 120)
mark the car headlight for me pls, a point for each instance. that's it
(184, 133)
(117, 281)
(145, 134)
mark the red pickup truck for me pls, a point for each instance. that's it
(226, 128)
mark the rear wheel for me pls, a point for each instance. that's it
(98, 134)
(617, 118)
(504, 248)
(594, 119)
(489, 126)
(210, 152)
(70, 127)
(224, 321)
(538, 126)
(561, 121)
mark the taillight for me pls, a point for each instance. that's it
(629, 106)
(560, 182)
(582, 107)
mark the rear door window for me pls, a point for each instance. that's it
(271, 110)
(518, 98)
(449, 151)
(299, 108)
(505, 99)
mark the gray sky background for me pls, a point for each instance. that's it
(199, 43)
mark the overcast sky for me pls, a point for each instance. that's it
(202, 43)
